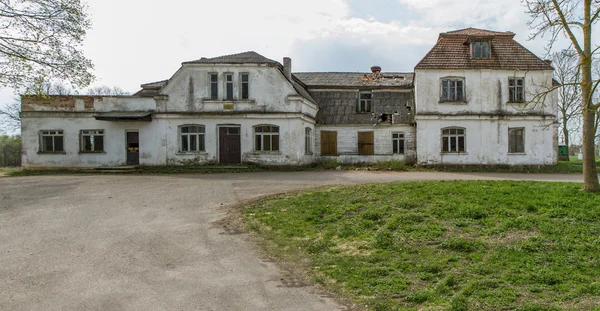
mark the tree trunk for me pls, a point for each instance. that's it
(590, 175)
(566, 139)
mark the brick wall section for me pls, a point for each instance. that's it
(339, 106)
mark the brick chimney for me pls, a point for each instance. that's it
(287, 68)
(375, 69)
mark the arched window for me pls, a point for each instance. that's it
(191, 138)
(266, 138)
(453, 140)
(308, 140)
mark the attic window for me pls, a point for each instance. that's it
(480, 49)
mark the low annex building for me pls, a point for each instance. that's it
(473, 99)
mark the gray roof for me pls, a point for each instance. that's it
(249, 57)
(355, 79)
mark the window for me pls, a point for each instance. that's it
(364, 102)
(245, 85)
(214, 86)
(516, 143)
(229, 86)
(328, 143)
(453, 140)
(308, 140)
(365, 143)
(480, 50)
(266, 138)
(398, 143)
(191, 138)
(51, 141)
(516, 93)
(453, 90)
(91, 141)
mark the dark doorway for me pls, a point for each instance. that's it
(229, 145)
(133, 148)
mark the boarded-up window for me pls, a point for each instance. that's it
(328, 143)
(516, 143)
(365, 143)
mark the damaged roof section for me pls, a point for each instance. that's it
(249, 57)
(354, 80)
(151, 89)
(452, 51)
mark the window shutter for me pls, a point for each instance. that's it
(365, 143)
(328, 143)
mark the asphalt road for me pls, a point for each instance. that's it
(148, 242)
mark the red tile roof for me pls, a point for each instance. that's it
(452, 52)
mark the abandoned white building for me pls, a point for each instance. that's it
(469, 104)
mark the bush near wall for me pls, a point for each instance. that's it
(10, 150)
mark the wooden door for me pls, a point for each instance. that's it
(328, 143)
(365, 143)
(229, 145)
(133, 148)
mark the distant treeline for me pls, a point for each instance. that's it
(10, 150)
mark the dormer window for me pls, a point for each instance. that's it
(480, 49)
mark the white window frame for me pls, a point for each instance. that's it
(522, 129)
(455, 81)
(199, 137)
(364, 104)
(212, 96)
(54, 134)
(247, 82)
(398, 137)
(515, 88)
(227, 84)
(308, 147)
(260, 136)
(92, 134)
(454, 137)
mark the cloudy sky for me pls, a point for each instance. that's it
(138, 41)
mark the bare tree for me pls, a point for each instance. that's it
(106, 90)
(10, 117)
(42, 38)
(566, 18)
(567, 73)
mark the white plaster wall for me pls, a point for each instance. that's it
(486, 91)
(347, 143)
(159, 140)
(114, 142)
(291, 139)
(269, 90)
(487, 142)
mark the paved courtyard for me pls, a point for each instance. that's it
(149, 242)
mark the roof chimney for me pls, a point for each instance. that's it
(375, 69)
(287, 68)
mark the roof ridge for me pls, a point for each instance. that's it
(252, 56)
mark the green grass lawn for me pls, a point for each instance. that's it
(448, 245)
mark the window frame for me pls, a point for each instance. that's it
(259, 146)
(215, 84)
(396, 141)
(522, 129)
(200, 138)
(308, 138)
(474, 50)
(456, 137)
(368, 102)
(456, 97)
(87, 133)
(229, 84)
(516, 89)
(57, 134)
(247, 82)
